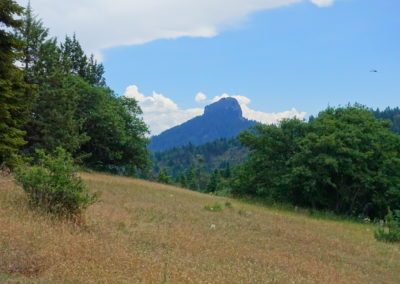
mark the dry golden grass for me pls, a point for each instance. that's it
(144, 232)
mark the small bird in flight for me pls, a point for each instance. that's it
(374, 71)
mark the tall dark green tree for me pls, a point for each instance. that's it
(75, 61)
(35, 36)
(54, 120)
(75, 109)
(214, 182)
(15, 94)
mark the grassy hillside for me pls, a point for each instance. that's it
(144, 232)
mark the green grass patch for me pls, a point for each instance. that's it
(213, 208)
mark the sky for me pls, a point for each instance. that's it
(279, 58)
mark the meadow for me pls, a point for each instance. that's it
(143, 232)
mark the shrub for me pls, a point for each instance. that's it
(53, 185)
(390, 229)
(228, 204)
(214, 208)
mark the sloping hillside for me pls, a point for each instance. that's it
(144, 232)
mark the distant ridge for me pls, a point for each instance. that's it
(222, 119)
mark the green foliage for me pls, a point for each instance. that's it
(163, 177)
(228, 205)
(15, 94)
(53, 185)
(219, 154)
(75, 109)
(214, 182)
(391, 114)
(390, 230)
(213, 208)
(204, 168)
(345, 161)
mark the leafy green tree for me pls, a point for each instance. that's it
(117, 134)
(348, 161)
(271, 147)
(15, 94)
(345, 160)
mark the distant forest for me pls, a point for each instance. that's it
(344, 160)
(392, 114)
(223, 152)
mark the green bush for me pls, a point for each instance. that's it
(53, 185)
(213, 208)
(390, 230)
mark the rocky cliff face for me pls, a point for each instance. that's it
(224, 107)
(222, 119)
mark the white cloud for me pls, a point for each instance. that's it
(260, 116)
(104, 24)
(160, 112)
(200, 97)
(323, 3)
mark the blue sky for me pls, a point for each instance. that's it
(277, 55)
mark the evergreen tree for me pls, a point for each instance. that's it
(182, 180)
(15, 94)
(163, 177)
(35, 35)
(214, 182)
(76, 62)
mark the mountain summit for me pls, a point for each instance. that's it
(222, 119)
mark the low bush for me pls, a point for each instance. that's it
(53, 185)
(228, 205)
(214, 208)
(389, 230)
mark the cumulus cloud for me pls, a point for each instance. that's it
(160, 112)
(104, 24)
(200, 97)
(260, 116)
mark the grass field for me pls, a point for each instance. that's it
(144, 232)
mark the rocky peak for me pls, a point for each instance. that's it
(225, 107)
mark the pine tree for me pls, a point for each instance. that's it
(15, 94)
(35, 36)
(214, 182)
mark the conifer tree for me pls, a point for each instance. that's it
(15, 94)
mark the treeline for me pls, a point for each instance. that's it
(54, 95)
(345, 160)
(205, 168)
(392, 114)
(213, 155)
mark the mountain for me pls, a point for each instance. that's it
(222, 119)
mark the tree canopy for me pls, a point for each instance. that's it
(345, 160)
(74, 109)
